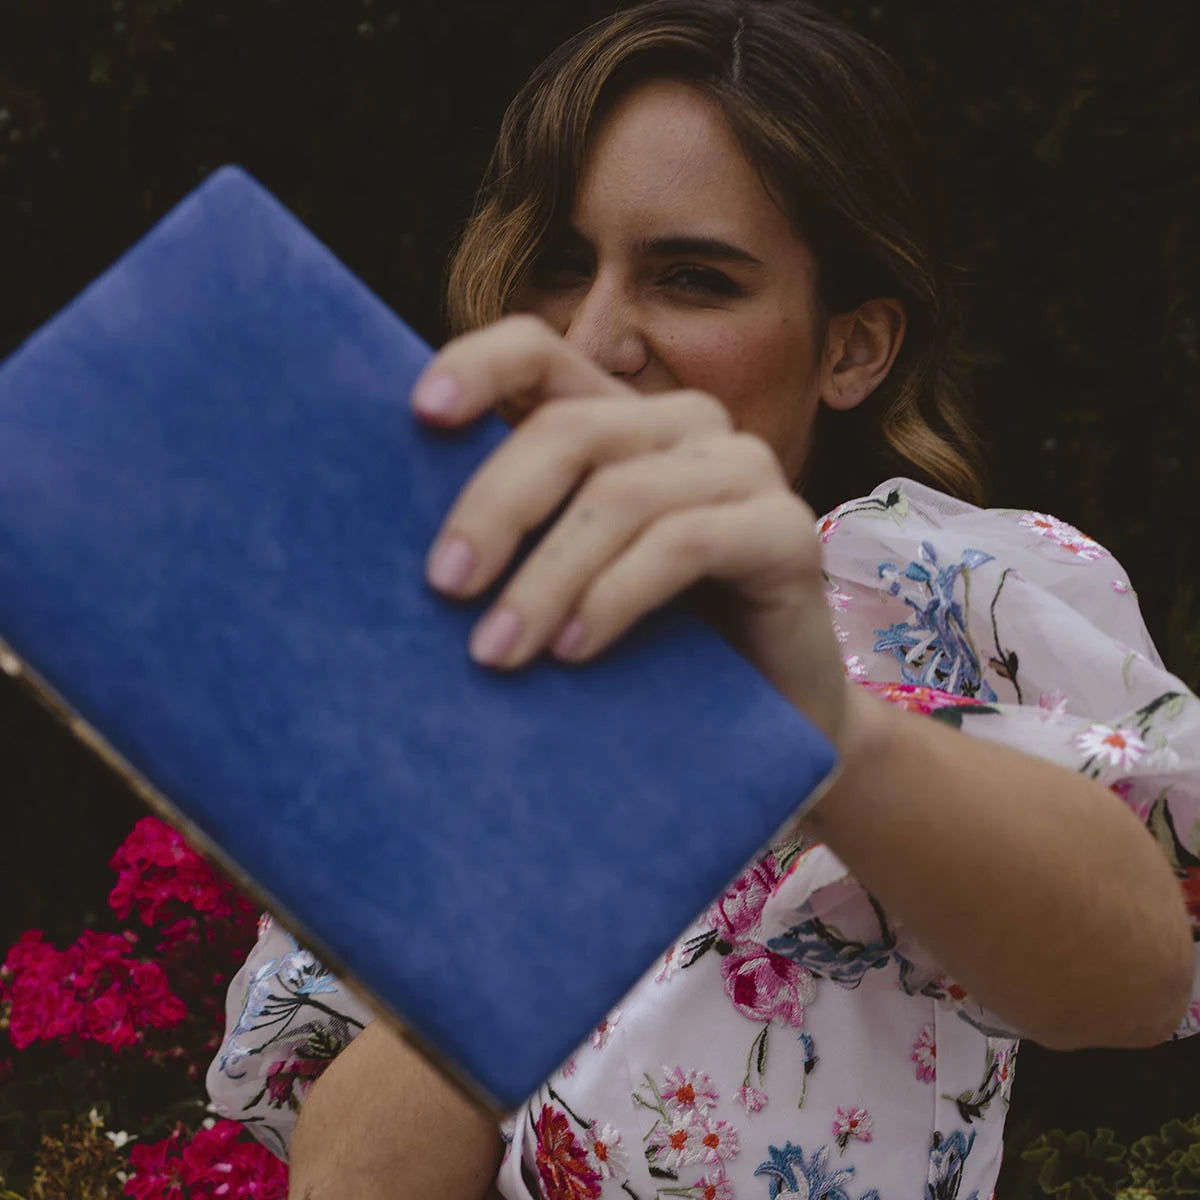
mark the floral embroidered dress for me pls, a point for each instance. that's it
(796, 1040)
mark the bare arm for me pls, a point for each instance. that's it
(1035, 887)
(381, 1124)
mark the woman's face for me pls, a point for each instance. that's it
(679, 270)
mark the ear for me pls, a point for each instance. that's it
(860, 347)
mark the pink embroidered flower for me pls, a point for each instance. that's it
(681, 1144)
(719, 1141)
(568, 1068)
(1191, 1018)
(851, 1123)
(603, 1031)
(713, 1187)
(924, 1054)
(1064, 535)
(606, 1153)
(826, 528)
(915, 697)
(1003, 1069)
(738, 912)
(1115, 747)
(765, 986)
(670, 964)
(1052, 706)
(853, 667)
(563, 1164)
(688, 1092)
(838, 600)
(751, 1099)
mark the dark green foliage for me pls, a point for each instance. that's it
(1079, 1166)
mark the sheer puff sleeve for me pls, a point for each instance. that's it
(1012, 626)
(286, 1019)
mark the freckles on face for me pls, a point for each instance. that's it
(679, 270)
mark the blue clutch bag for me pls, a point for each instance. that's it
(214, 513)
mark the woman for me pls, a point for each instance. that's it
(710, 221)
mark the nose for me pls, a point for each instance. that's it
(605, 324)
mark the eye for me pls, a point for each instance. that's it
(702, 281)
(557, 266)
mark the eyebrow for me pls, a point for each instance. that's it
(682, 245)
(701, 247)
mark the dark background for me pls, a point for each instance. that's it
(1069, 136)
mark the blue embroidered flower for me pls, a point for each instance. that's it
(933, 644)
(947, 1157)
(826, 953)
(789, 1173)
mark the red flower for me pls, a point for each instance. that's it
(289, 1080)
(562, 1161)
(165, 879)
(218, 1162)
(92, 991)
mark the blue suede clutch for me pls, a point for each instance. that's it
(214, 511)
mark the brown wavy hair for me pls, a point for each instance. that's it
(827, 120)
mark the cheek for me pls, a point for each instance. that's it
(765, 372)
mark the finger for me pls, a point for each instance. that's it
(531, 473)
(518, 356)
(608, 513)
(763, 546)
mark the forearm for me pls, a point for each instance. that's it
(381, 1124)
(1034, 887)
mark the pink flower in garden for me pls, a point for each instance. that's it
(92, 991)
(739, 910)
(924, 1054)
(851, 1123)
(688, 1091)
(158, 872)
(1115, 747)
(223, 1162)
(217, 1163)
(765, 986)
(751, 1099)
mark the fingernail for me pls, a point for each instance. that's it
(450, 565)
(570, 638)
(436, 395)
(495, 636)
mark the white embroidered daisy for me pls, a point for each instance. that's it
(1116, 747)
(719, 1142)
(687, 1092)
(606, 1154)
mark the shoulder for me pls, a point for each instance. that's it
(904, 537)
